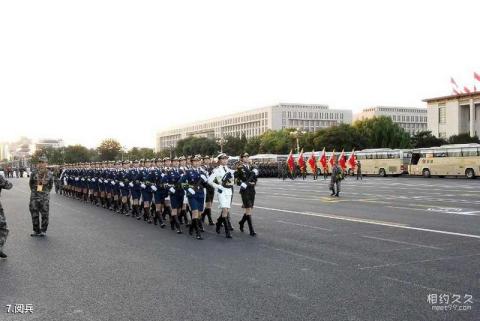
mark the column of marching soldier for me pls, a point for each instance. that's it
(180, 190)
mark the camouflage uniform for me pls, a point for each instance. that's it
(40, 200)
(3, 222)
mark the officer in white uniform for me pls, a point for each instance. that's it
(222, 179)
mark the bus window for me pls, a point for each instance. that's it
(454, 153)
(415, 158)
(470, 151)
(440, 153)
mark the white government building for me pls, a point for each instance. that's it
(411, 119)
(305, 117)
(453, 115)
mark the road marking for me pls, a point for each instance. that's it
(314, 227)
(299, 255)
(367, 221)
(401, 242)
(414, 262)
(416, 285)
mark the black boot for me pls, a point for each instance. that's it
(195, 222)
(172, 223)
(229, 224)
(219, 224)
(166, 211)
(200, 225)
(209, 216)
(242, 222)
(159, 218)
(146, 215)
(250, 225)
(190, 229)
(227, 230)
(177, 225)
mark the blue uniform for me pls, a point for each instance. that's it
(195, 183)
(147, 179)
(175, 180)
(161, 179)
(134, 177)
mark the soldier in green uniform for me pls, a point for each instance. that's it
(41, 183)
(4, 184)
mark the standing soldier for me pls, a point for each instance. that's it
(222, 180)
(56, 174)
(246, 177)
(337, 176)
(4, 184)
(41, 183)
(359, 170)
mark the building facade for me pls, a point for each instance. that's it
(305, 117)
(453, 115)
(4, 152)
(411, 119)
(45, 143)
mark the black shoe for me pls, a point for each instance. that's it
(229, 224)
(337, 195)
(35, 234)
(43, 234)
(209, 216)
(3, 255)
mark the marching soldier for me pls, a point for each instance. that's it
(246, 178)
(41, 183)
(4, 184)
(222, 180)
(210, 191)
(159, 192)
(195, 183)
(176, 193)
(134, 177)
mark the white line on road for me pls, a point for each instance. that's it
(303, 225)
(299, 255)
(401, 242)
(421, 261)
(367, 221)
(416, 285)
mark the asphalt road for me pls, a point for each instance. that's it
(382, 251)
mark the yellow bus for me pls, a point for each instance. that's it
(384, 161)
(446, 160)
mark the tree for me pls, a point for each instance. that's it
(253, 145)
(382, 132)
(139, 153)
(196, 145)
(463, 139)
(54, 155)
(339, 137)
(234, 145)
(109, 149)
(426, 139)
(77, 154)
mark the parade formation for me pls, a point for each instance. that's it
(178, 191)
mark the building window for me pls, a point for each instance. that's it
(442, 115)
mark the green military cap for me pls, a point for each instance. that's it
(244, 155)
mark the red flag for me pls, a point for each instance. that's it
(342, 161)
(301, 161)
(323, 159)
(476, 76)
(352, 160)
(455, 88)
(290, 162)
(312, 162)
(332, 158)
(466, 90)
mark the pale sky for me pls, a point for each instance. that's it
(88, 70)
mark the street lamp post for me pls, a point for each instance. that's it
(296, 135)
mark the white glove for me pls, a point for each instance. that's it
(93, 180)
(154, 188)
(172, 190)
(204, 178)
(100, 180)
(191, 191)
(255, 171)
(130, 184)
(88, 179)
(143, 185)
(163, 175)
(243, 185)
(113, 182)
(83, 179)
(76, 179)
(121, 184)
